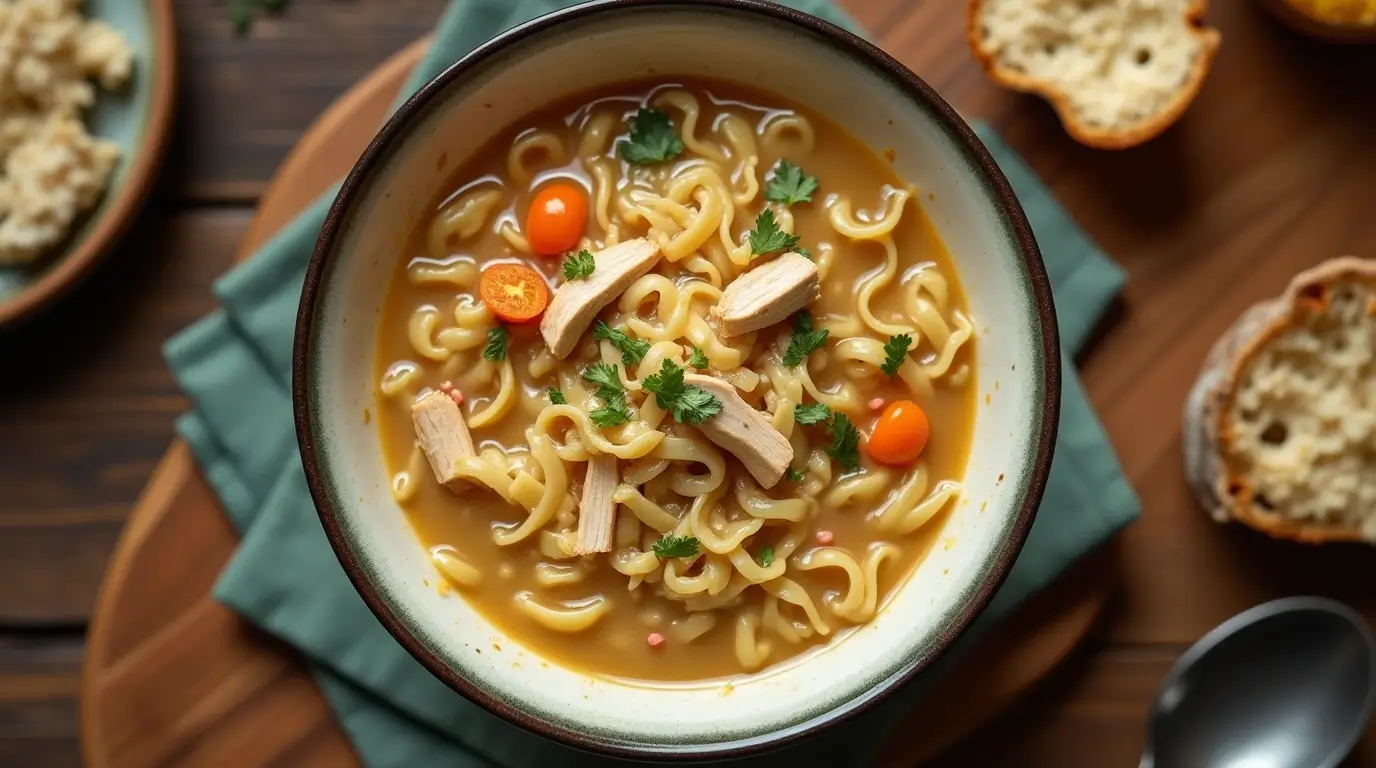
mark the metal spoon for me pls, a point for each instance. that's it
(1287, 684)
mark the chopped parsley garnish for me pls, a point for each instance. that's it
(805, 253)
(241, 12)
(790, 184)
(697, 358)
(766, 237)
(653, 139)
(845, 442)
(613, 413)
(670, 545)
(805, 340)
(579, 265)
(765, 556)
(497, 339)
(556, 397)
(632, 350)
(689, 404)
(795, 475)
(607, 378)
(895, 352)
(812, 413)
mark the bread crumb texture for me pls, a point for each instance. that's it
(1118, 63)
(51, 169)
(1303, 415)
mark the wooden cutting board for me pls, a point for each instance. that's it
(172, 678)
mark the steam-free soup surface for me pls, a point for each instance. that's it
(771, 572)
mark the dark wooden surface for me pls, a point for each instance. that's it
(1272, 170)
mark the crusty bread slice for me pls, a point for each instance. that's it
(1280, 428)
(1118, 72)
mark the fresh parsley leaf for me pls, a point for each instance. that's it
(579, 265)
(670, 545)
(845, 442)
(556, 397)
(805, 340)
(805, 253)
(652, 140)
(688, 403)
(497, 339)
(667, 384)
(696, 406)
(698, 359)
(613, 413)
(790, 184)
(765, 556)
(766, 237)
(632, 350)
(812, 413)
(241, 16)
(895, 352)
(795, 475)
(241, 12)
(607, 378)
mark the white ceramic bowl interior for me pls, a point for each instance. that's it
(801, 65)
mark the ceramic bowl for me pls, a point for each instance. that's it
(803, 59)
(137, 118)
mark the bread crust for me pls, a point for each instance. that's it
(1331, 32)
(1206, 439)
(1097, 137)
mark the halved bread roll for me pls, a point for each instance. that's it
(1280, 428)
(1118, 72)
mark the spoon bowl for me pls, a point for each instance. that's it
(1289, 683)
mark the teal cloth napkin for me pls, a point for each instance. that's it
(235, 366)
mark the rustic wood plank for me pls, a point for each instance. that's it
(88, 410)
(244, 102)
(40, 679)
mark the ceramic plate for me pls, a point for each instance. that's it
(136, 118)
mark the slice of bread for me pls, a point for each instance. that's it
(1118, 72)
(1280, 428)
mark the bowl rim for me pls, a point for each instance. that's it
(995, 183)
(127, 199)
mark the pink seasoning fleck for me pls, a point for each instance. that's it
(876, 404)
(446, 387)
(825, 537)
(655, 639)
(456, 396)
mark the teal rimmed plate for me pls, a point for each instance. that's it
(137, 118)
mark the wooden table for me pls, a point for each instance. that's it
(1272, 170)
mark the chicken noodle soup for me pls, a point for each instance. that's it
(677, 383)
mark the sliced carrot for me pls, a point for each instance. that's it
(901, 434)
(514, 292)
(557, 217)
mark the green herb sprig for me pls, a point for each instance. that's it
(805, 339)
(687, 403)
(670, 545)
(789, 184)
(632, 350)
(652, 140)
(767, 237)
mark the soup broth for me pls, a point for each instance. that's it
(771, 571)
